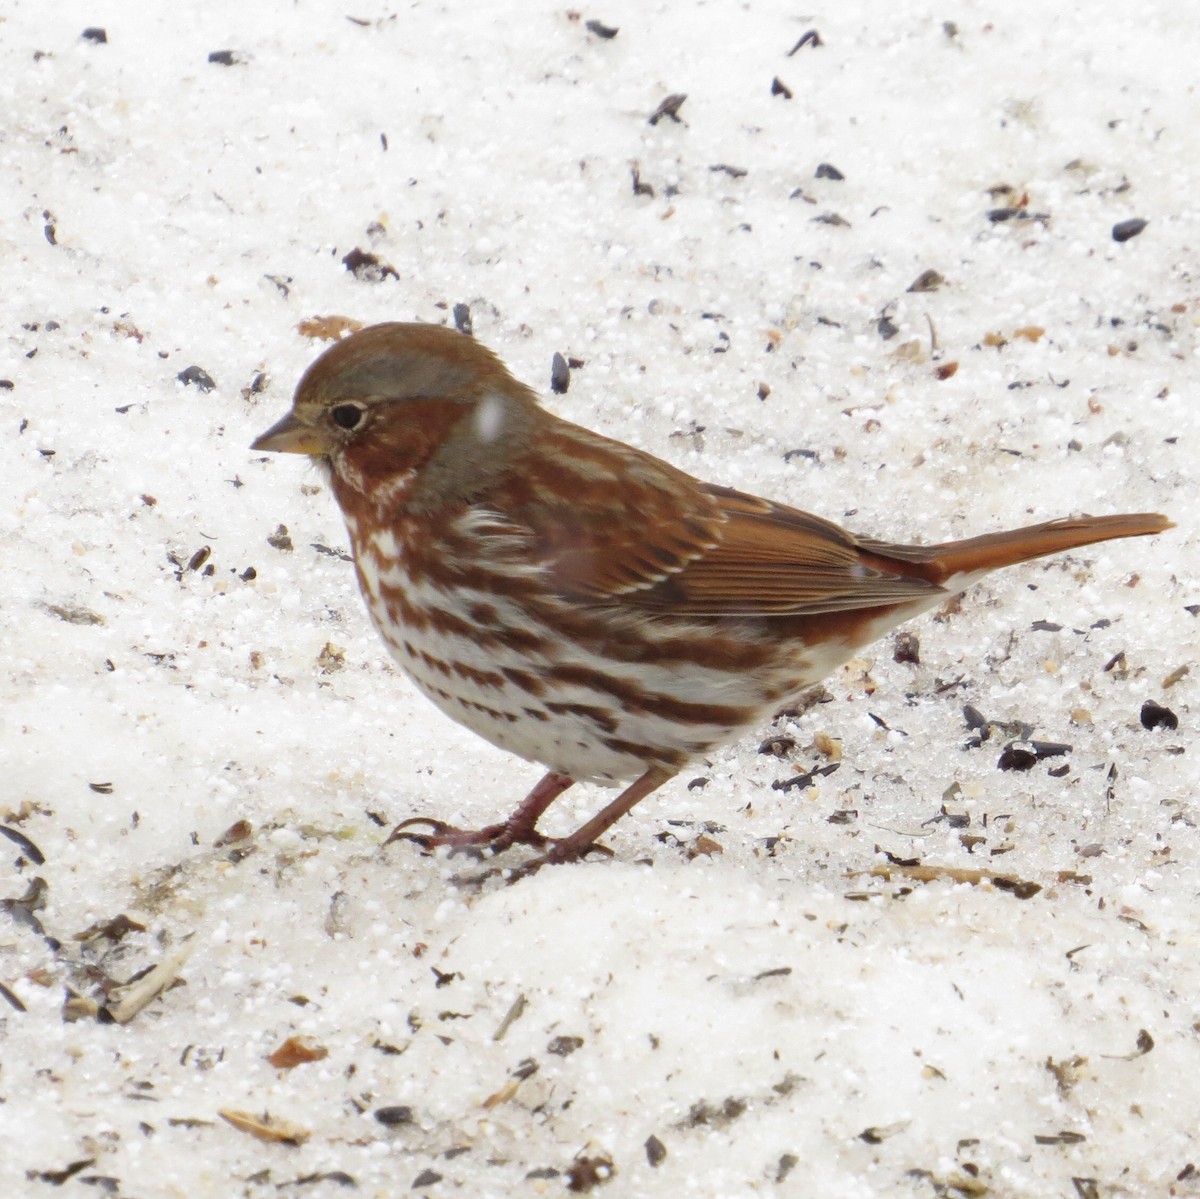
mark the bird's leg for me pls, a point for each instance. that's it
(519, 829)
(583, 839)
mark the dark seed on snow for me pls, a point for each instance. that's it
(929, 280)
(194, 376)
(394, 1116)
(368, 267)
(974, 718)
(28, 848)
(601, 30)
(669, 108)
(1049, 749)
(1017, 757)
(560, 375)
(810, 38)
(778, 746)
(1124, 230)
(907, 648)
(1155, 716)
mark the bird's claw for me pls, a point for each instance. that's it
(427, 842)
(490, 841)
(479, 843)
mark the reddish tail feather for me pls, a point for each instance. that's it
(977, 555)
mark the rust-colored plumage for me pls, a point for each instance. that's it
(582, 603)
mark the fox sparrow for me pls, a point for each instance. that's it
(579, 602)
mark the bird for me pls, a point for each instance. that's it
(582, 603)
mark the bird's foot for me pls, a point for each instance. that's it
(560, 851)
(519, 829)
(479, 843)
(583, 840)
(487, 842)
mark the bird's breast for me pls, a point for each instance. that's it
(599, 694)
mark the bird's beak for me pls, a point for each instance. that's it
(289, 436)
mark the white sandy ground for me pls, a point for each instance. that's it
(778, 1018)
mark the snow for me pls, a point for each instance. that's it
(780, 1006)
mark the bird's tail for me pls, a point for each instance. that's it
(976, 556)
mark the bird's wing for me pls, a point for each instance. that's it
(621, 530)
(772, 560)
(665, 543)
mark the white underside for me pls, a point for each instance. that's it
(563, 741)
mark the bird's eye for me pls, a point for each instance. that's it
(347, 415)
